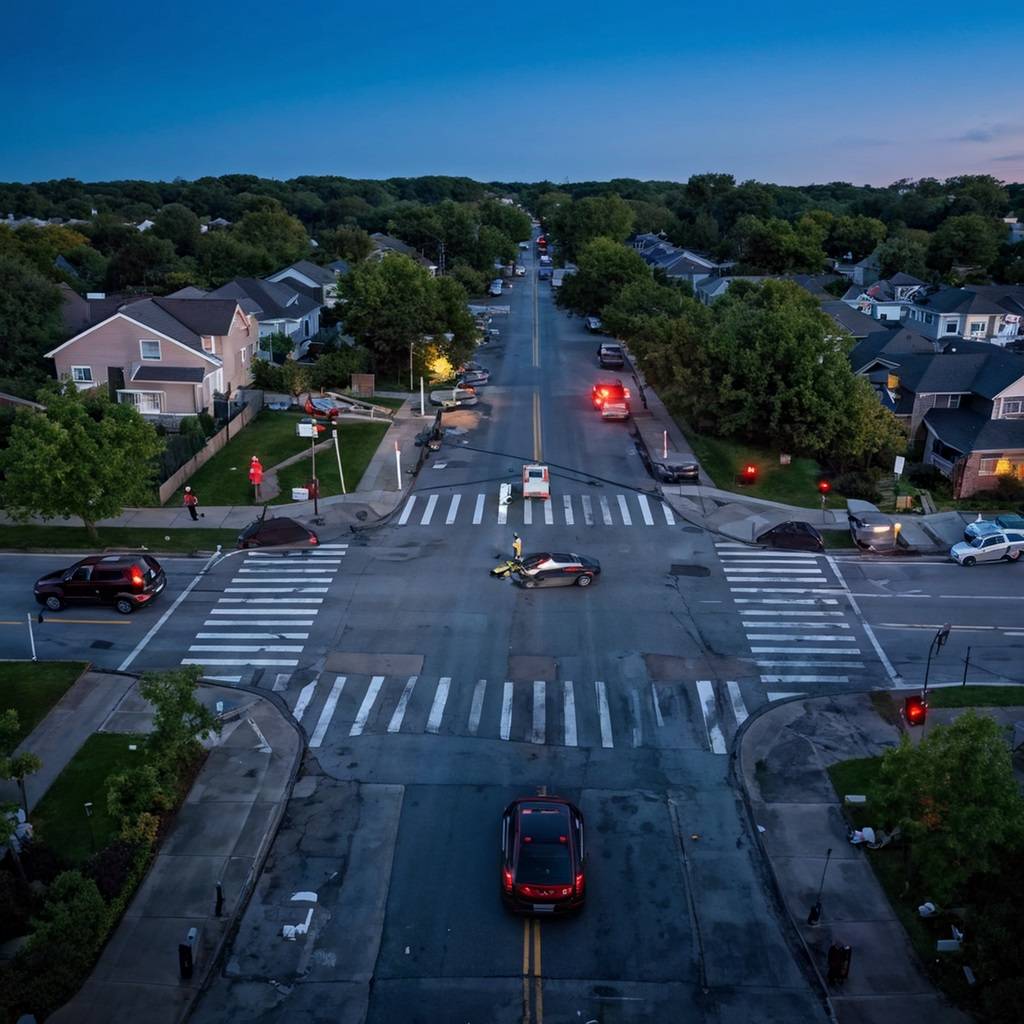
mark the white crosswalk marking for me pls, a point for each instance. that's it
(549, 514)
(270, 600)
(658, 717)
(800, 637)
(506, 711)
(638, 730)
(624, 511)
(407, 511)
(251, 636)
(527, 513)
(363, 714)
(670, 519)
(790, 624)
(503, 514)
(281, 682)
(606, 512)
(275, 590)
(739, 709)
(256, 662)
(539, 712)
(428, 512)
(708, 708)
(478, 510)
(805, 679)
(567, 505)
(403, 702)
(249, 648)
(645, 509)
(603, 714)
(789, 662)
(803, 650)
(588, 509)
(783, 600)
(222, 679)
(776, 570)
(261, 611)
(305, 696)
(569, 713)
(784, 612)
(327, 712)
(453, 509)
(477, 707)
(437, 709)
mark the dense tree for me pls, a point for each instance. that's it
(84, 456)
(180, 226)
(775, 246)
(978, 193)
(30, 323)
(348, 243)
(281, 236)
(575, 224)
(222, 256)
(856, 235)
(902, 254)
(605, 268)
(143, 261)
(642, 300)
(970, 240)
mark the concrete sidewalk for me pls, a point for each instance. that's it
(782, 757)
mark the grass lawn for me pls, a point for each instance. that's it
(224, 480)
(60, 816)
(75, 538)
(32, 688)
(976, 696)
(795, 484)
(358, 442)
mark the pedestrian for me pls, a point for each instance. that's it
(517, 547)
(191, 503)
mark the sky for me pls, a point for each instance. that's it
(791, 93)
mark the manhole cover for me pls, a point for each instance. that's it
(689, 570)
(102, 645)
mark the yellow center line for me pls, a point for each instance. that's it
(526, 971)
(86, 622)
(538, 994)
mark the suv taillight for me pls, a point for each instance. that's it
(506, 879)
(579, 883)
(137, 579)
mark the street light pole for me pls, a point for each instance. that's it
(938, 641)
(815, 915)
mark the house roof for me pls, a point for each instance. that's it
(980, 373)
(889, 346)
(170, 374)
(958, 300)
(860, 325)
(322, 275)
(901, 279)
(971, 432)
(870, 261)
(1010, 298)
(339, 266)
(190, 291)
(268, 300)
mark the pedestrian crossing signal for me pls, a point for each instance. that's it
(915, 710)
(824, 487)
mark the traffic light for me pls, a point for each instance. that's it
(824, 487)
(915, 710)
(749, 474)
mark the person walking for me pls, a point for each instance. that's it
(191, 502)
(517, 547)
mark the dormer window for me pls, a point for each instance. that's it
(1013, 408)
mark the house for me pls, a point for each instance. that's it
(868, 270)
(214, 225)
(340, 267)
(79, 313)
(168, 356)
(979, 313)
(883, 350)
(383, 244)
(145, 225)
(860, 325)
(677, 264)
(708, 289)
(320, 283)
(277, 306)
(1014, 230)
(885, 299)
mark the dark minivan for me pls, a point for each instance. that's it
(125, 581)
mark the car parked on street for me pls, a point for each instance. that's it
(277, 531)
(793, 536)
(125, 581)
(605, 391)
(611, 356)
(987, 527)
(673, 468)
(593, 324)
(474, 378)
(495, 287)
(992, 547)
(543, 856)
(871, 529)
(556, 569)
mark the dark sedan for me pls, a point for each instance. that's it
(557, 569)
(793, 536)
(281, 531)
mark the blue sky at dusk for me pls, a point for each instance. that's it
(791, 94)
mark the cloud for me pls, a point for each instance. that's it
(1010, 158)
(989, 132)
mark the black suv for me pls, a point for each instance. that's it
(125, 581)
(611, 356)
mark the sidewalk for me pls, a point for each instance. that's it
(222, 833)
(782, 757)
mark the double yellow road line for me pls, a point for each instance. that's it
(533, 993)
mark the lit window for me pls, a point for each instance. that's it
(144, 401)
(989, 466)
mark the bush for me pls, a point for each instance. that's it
(858, 484)
(335, 369)
(17, 905)
(267, 376)
(178, 449)
(111, 868)
(928, 477)
(208, 424)
(1009, 488)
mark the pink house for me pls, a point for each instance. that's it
(167, 357)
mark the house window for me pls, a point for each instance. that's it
(978, 327)
(305, 328)
(988, 466)
(951, 327)
(1013, 406)
(928, 318)
(149, 349)
(946, 402)
(145, 401)
(242, 353)
(81, 374)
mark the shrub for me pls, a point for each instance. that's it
(1009, 488)
(17, 905)
(858, 484)
(925, 476)
(207, 423)
(178, 449)
(267, 376)
(335, 369)
(110, 868)
(474, 281)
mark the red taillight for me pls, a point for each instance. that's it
(313, 539)
(579, 884)
(506, 879)
(137, 580)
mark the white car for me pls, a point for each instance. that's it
(496, 286)
(992, 547)
(520, 270)
(451, 398)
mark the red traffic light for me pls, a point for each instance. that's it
(915, 710)
(824, 486)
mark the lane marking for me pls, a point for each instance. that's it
(327, 712)
(539, 712)
(477, 706)
(223, 679)
(781, 696)
(281, 682)
(363, 714)
(271, 600)
(569, 713)
(265, 662)
(624, 510)
(588, 509)
(437, 709)
(789, 624)
(453, 509)
(606, 512)
(706, 695)
(785, 590)
(538, 449)
(816, 663)
(538, 976)
(773, 579)
(818, 638)
(645, 509)
(428, 512)
(276, 590)
(670, 519)
(805, 679)
(259, 611)
(782, 600)
(249, 648)
(403, 702)
(567, 506)
(252, 636)
(305, 696)
(603, 715)
(739, 709)
(549, 515)
(638, 729)
(506, 711)
(528, 513)
(657, 706)
(407, 511)
(803, 650)
(778, 611)
(503, 513)
(478, 510)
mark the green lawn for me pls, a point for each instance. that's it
(358, 442)
(75, 538)
(976, 697)
(60, 817)
(32, 688)
(795, 484)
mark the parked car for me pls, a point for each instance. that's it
(554, 569)
(520, 270)
(524, 245)
(615, 411)
(451, 398)
(543, 856)
(593, 324)
(871, 529)
(495, 287)
(322, 407)
(993, 547)
(474, 378)
(471, 365)
(125, 581)
(672, 468)
(611, 356)
(279, 531)
(987, 527)
(793, 536)
(544, 274)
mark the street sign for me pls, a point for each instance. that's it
(897, 466)
(306, 429)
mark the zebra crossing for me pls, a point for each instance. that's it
(630, 509)
(564, 713)
(795, 616)
(265, 613)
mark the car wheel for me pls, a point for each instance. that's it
(54, 603)
(1012, 556)
(969, 561)
(584, 581)
(530, 584)
(124, 606)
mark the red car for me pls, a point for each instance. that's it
(542, 856)
(609, 391)
(321, 407)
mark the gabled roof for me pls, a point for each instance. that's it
(958, 300)
(979, 373)
(190, 291)
(900, 280)
(971, 432)
(322, 275)
(1009, 298)
(268, 300)
(860, 325)
(169, 374)
(339, 266)
(889, 346)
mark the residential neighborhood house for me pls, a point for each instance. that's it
(277, 306)
(319, 283)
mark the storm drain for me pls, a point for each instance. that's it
(689, 570)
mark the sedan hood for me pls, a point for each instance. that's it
(51, 577)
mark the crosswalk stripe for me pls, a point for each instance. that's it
(658, 717)
(706, 695)
(624, 510)
(477, 707)
(782, 612)
(816, 663)
(261, 662)
(670, 520)
(249, 648)
(588, 509)
(784, 590)
(802, 650)
(305, 696)
(281, 682)
(331, 546)
(502, 514)
(774, 579)
(784, 600)
(549, 513)
(769, 565)
(407, 511)
(453, 509)
(569, 713)
(223, 679)
(299, 570)
(506, 711)
(739, 709)
(478, 510)
(428, 512)
(775, 570)
(403, 702)
(440, 699)
(363, 714)
(252, 636)
(606, 512)
(817, 638)
(539, 712)
(261, 611)
(271, 600)
(789, 624)
(773, 696)
(805, 679)
(276, 590)
(638, 728)
(567, 506)
(645, 509)
(528, 513)
(605, 717)
(327, 712)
